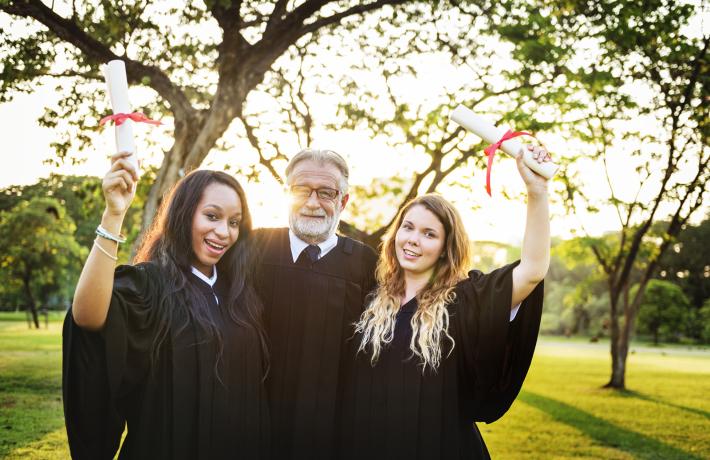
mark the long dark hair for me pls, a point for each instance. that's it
(168, 245)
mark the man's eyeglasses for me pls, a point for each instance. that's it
(303, 192)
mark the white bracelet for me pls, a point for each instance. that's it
(103, 233)
(96, 243)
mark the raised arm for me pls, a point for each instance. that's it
(93, 291)
(535, 257)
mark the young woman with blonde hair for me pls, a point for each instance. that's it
(440, 348)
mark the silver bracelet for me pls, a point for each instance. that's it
(96, 243)
(103, 233)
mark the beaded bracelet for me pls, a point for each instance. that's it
(103, 233)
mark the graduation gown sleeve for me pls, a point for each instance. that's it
(495, 353)
(100, 368)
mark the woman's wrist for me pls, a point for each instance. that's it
(112, 222)
(538, 192)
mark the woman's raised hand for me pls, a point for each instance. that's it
(534, 182)
(119, 184)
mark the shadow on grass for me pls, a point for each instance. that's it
(20, 383)
(29, 379)
(604, 432)
(644, 397)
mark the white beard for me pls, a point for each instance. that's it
(313, 230)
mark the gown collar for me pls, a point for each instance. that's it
(211, 280)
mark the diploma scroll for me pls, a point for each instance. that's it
(486, 130)
(117, 83)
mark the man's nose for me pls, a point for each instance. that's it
(312, 200)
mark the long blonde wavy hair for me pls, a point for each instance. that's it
(430, 323)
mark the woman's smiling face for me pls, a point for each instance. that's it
(419, 241)
(215, 225)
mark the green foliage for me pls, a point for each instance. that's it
(703, 318)
(623, 61)
(663, 311)
(80, 196)
(577, 298)
(32, 54)
(83, 200)
(370, 206)
(23, 59)
(687, 263)
(39, 254)
(576, 301)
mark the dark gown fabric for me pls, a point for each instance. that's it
(309, 311)
(179, 409)
(393, 411)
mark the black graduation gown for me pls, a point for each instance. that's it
(181, 409)
(393, 411)
(309, 312)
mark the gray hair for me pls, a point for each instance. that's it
(323, 157)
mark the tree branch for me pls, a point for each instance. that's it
(697, 64)
(71, 73)
(97, 52)
(355, 10)
(602, 261)
(227, 15)
(288, 27)
(254, 141)
(277, 14)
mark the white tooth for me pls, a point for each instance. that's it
(216, 246)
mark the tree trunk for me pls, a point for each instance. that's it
(172, 168)
(624, 342)
(618, 366)
(195, 135)
(618, 369)
(30, 300)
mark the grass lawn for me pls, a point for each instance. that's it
(561, 413)
(31, 420)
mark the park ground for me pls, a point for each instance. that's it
(561, 413)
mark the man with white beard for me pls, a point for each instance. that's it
(313, 284)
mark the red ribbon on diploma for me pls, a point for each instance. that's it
(119, 118)
(490, 151)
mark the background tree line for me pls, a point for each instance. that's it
(675, 306)
(46, 232)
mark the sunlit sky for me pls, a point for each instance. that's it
(27, 145)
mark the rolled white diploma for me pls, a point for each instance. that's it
(117, 84)
(490, 133)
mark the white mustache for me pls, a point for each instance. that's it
(313, 214)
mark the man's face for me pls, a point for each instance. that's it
(314, 216)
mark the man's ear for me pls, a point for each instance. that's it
(344, 201)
